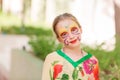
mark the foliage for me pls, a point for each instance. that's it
(42, 40)
(43, 45)
(29, 30)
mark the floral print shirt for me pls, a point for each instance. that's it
(58, 66)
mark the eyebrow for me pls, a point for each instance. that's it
(62, 30)
(70, 26)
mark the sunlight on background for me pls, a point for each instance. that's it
(97, 18)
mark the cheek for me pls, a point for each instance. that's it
(66, 40)
(78, 36)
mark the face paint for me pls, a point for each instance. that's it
(79, 38)
(69, 32)
(66, 27)
(64, 35)
(75, 30)
(66, 42)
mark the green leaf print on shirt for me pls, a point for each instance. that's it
(55, 62)
(65, 77)
(75, 74)
(51, 78)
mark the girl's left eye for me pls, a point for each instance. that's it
(74, 29)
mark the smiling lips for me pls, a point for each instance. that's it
(73, 41)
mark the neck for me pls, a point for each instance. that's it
(76, 50)
(74, 53)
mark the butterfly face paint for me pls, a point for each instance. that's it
(75, 31)
(65, 35)
(68, 31)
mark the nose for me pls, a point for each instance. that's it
(71, 36)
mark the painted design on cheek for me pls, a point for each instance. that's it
(65, 35)
(66, 41)
(79, 38)
(75, 31)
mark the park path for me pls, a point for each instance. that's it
(18, 64)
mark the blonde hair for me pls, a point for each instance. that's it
(62, 17)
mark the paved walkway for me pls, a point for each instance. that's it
(10, 59)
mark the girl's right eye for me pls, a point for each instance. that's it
(64, 34)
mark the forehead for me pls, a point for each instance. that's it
(64, 24)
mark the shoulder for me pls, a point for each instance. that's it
(52, 56)
(91, 56)
(49, 58)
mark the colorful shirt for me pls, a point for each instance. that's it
(59, 66)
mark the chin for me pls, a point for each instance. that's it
(74, 45)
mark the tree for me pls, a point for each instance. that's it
(0, 5)
(117, 21)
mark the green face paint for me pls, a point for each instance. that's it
(66, 27)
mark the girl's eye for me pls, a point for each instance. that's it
(64, 34)
(74, 30)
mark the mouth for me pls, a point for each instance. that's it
(73, 41)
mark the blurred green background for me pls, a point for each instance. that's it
(43, 41)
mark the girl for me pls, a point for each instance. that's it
(70, 62)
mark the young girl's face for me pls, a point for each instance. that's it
(69, 33)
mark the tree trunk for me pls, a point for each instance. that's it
(117, 23)
(0, 5)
